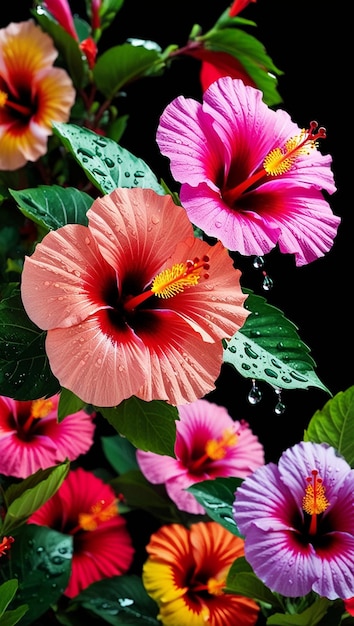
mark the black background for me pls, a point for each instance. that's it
(308, 41)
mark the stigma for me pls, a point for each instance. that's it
(314, 501)
(172, 281)
(280, 160)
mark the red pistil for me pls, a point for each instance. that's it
(172, 281)
(215, 449)
(213, 586)
(314, 501)
(20, 108)
(278, 161)
(39, 408)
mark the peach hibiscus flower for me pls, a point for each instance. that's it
(33, 93)
(133, 303)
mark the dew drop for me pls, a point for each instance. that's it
(255, 394)
(258, 262)
(267, 282)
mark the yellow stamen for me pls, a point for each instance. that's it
(215, 449)
(279, 160)
(215, 586)
(99, 512)
(41, 408)
(3, 98)
(172, 281)
(314, 501)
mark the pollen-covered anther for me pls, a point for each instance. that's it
(100, 512)
(176, 279)
(280, 160)
(314, 501)
(41, 408)
(216, 449)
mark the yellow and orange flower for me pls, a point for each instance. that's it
(33, 93)
(186, 571)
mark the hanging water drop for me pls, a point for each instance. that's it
(280, 407)
(258, 262)
(267, 282)
(255, 394)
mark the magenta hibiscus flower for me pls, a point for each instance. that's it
(86, 508)
(31, 438)
(250, 176)
(298, 523)
(134, 304)
(208, 444)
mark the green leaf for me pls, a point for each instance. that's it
(334, 424)
(139, 493)
(25, 497)
(253, 57)
(120, 453)
(66, 45)
(69, 404)
(52, 206)
(217, 497)
(7, 593)
(120, 600)
(268, 348)
(105, 163)
(122, 65)
(41, 558)
(25, 373)
(13, 617)
(242, 581)
(309, 617)
(150, 426)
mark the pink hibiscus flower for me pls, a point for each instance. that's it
(33, 93)
(31, 438)
(134, 304)
(250, 176)
(86, 508)
(208, 444)
(297, 520)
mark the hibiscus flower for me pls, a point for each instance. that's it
(86, 508)
(32, 438)
(134, 304)
(186, 571)
(250, 176)
(33, 93)
(209, 444)
(297, 519)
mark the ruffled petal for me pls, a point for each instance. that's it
(135, 230)
(95, 367)
(68, 268)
